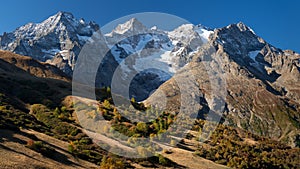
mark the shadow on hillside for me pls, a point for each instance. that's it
(56, 155)
(22, 86)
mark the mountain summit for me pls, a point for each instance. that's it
(60, 34)
(133, 26)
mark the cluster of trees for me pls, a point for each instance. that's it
(159, 123)
(111, 163)
(229, 146)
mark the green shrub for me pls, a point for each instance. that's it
(85, 141)
(142, 127)
(111, 163)
(162, 160)
(40, 147)
(72, 148)
(106, 104)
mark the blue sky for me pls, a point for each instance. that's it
(278, 22)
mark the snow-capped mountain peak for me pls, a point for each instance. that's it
(61, 21)
(188, 32)
(60, 34)
(133, 26)
(204, 32)
(184, 31)
(154, 28)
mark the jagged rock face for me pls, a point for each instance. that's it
(276, 68)
(261, 84)
(60, 35)
(238, 40)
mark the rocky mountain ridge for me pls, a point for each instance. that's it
(262, 89)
